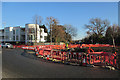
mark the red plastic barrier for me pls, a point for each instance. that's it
(103, 58)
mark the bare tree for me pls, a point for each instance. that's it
(51, 21)
(38, 21)
(97, 26)
(70, 30)
(114, 32)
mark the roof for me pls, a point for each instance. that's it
(45, 29)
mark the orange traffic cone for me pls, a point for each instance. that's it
(84, 62)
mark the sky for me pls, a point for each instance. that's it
(75, 13)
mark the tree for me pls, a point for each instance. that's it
(68, 37)
(97, 27)
(91, 36)
(38, 21)
(59, 33)
(108, 35)
(86, 40)
(70, 31)
(51, 21)
(113, 32)
(118, 37)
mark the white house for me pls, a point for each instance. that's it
(35, 33)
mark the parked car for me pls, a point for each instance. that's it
(6, 45)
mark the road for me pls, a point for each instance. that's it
(17, 64)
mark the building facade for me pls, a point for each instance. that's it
(10, 34)
(23, 35)
(1, 35)
(35, 33)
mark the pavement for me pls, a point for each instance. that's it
(18, 64)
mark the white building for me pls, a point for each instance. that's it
(33, 34)
(25, 35)
(11, 34)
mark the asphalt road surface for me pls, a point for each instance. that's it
(17, 64)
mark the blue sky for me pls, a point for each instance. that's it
(75, 13)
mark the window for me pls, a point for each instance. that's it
(17, 31)
(23, 37)
(45, 37)
(2, 37)
(16, 37)
(29, 37)
(41, 36)
(13, 37)
(31, 30)
(13, 31)
(7, 37)
(33, 37)
(7, 30)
